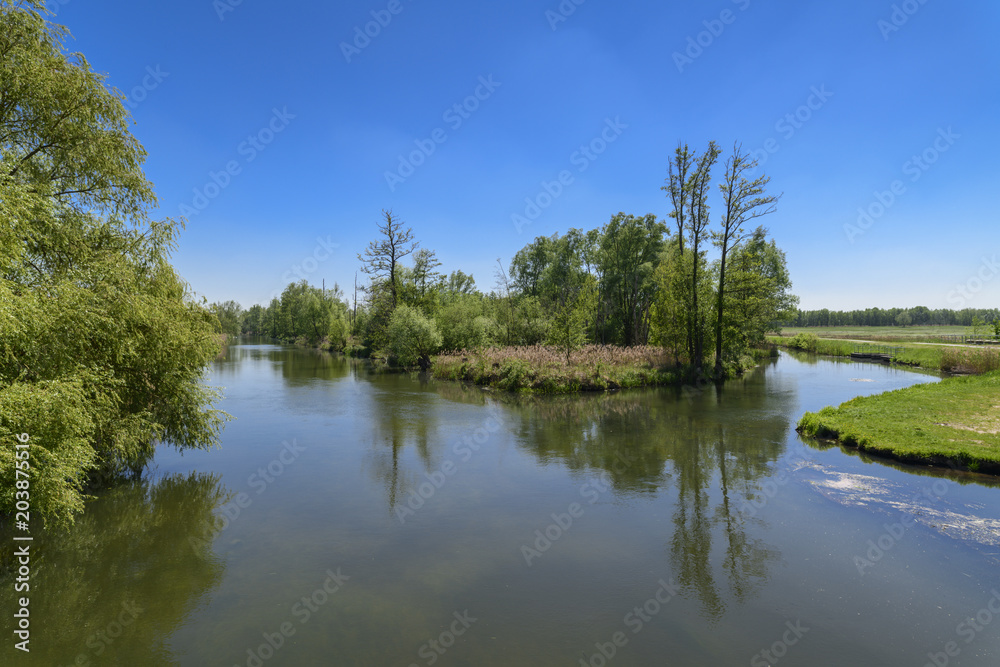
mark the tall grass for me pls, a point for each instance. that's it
(966, 360)
(542, 368)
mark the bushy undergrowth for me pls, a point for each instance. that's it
(544, 369)
(804, 341)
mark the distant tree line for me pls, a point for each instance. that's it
(633, 281)
(889, 317)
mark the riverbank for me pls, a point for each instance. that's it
(591, 368)
(946, 358)
(954, 423)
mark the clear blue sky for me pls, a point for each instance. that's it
(265, 89)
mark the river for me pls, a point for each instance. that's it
(353, 518)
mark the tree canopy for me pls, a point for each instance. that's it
(102, 348)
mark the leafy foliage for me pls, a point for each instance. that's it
(101, 349)
(412, 337)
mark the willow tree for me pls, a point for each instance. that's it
(102, 350)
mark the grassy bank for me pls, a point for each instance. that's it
(545, 369)
(930, 333)
(955, 422)
(931, 357)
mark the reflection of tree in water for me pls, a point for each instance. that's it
(719, 469)
(298, 365)
(400, 420)
(715, 446)
(115, 585)
(616, 433)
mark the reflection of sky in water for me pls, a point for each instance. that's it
(425, 494)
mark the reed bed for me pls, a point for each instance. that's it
(970, 361)
(542, 368)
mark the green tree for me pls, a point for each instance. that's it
(230, 315)
(425, 278)
(459, 283)
(102, 351)
(743, 200)
(688, 185)
(977, 326)
(573, 313)
(464, 325)
(758, 294)
(677, 189)
(630, 250)
(697, 221)
(253, 320)
(527, 268)
(412, 338)
(669, 310)
(272, 318)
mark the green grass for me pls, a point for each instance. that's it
(949, 359)
(954, 422)
(902, 334)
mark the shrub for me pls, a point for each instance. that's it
(412, 338)
(463, 327)
(804, 341)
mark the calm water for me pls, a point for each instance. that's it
(358, 519)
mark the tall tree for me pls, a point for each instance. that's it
(630, 251)
(677, 189)
(758, 293)
(743, 200)
(460, 283)
(424, 275)
(698, 184)
(527, 268)
(382, 257)
(253, 320)
(230, 316)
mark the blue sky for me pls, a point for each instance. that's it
(282, 130)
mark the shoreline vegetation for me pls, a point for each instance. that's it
(542, 369)
(637, 301)
(945, 358)
(953, 423)
(545, 369)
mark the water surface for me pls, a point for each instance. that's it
(360, 519)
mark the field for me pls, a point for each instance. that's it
(931, 334)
